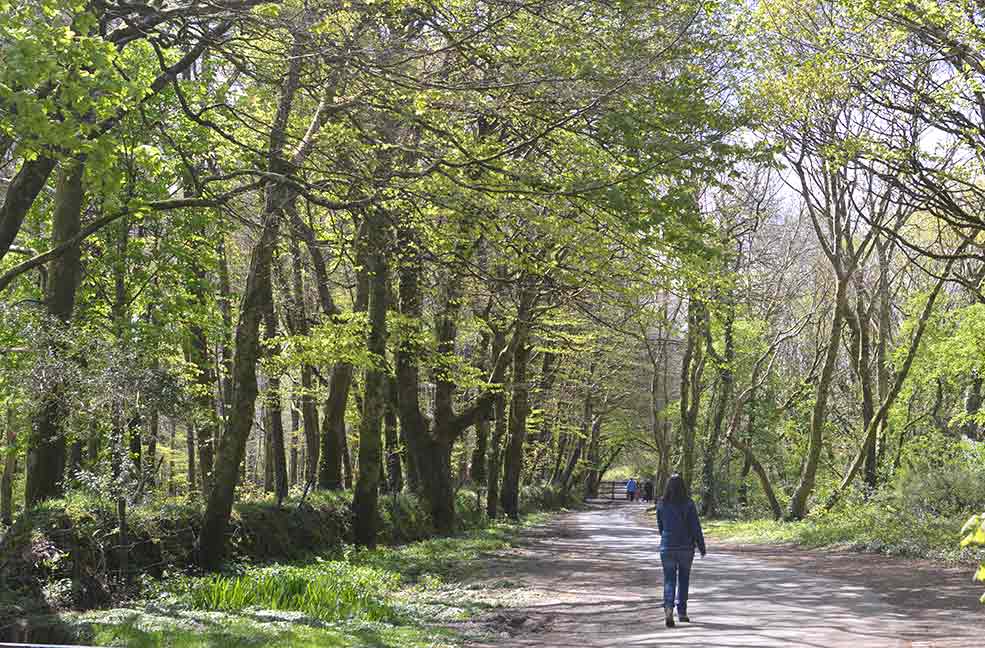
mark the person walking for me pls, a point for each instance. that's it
(648, 491)
(680, 534)
(631, 490)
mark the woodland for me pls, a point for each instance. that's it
(383, 261)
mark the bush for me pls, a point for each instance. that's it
(404, 518)
(942, 478)
(544, 497)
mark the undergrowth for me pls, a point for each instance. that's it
(873, 527)
(318, 590)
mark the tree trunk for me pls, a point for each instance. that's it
(726, 382)
(870, 434)
(659, 427)
(335, 471)
(569, 471)
(591, 430)
(190, 433)
(295, 430)
(751, 406)
(46, 444)
(858, 322)
(431, 453)
(477, 468)
(205, 380)
(348, 471)
(275, 467)
(268, 452)
(593, 474)
(691, 371)
(172, 487)
(519, 410)
(232, 445)
(561, 452)
(494, 467)
(20, 195)
(9, 467)
(410, 463)
(153, 430)
(798, 503)
(298, 320)
(225, 375)
(364, 505)
(972, 405)
(134, 428)
(395, 479)
(431, 444)
(587, 429)
(883, 366)
(74, 458)
(258, 291)
(495, 452)
(93, 444)
(333, 428)
(538, 450)
(764, 479)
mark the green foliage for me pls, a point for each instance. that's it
(901, 523)
(386, 597)
(178, 628)
(973, 535)
(330, 591)
(448, 559)
(545, 497)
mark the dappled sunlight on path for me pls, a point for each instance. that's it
(598, 576)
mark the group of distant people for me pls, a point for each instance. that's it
(633, 491)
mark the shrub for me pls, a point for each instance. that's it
(956, 488)
(544, 497)
(404, 518)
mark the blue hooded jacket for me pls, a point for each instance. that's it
(679, 527)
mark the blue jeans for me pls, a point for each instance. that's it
(677, 577)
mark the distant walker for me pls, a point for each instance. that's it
(631, 488)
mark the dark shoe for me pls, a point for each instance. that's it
(684, 618)
(669, 617)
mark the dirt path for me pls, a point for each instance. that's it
(591, 579)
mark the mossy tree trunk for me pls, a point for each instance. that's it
(205, 380)
(519, 409)
(331, 447)
(364, 503)
(431, 443)
(394, 472)
(275, 468)
(495, 455)
(46, 444)
(239, 419)
(726, 382)
(692, 369)
(9, 468)
(798, 502)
